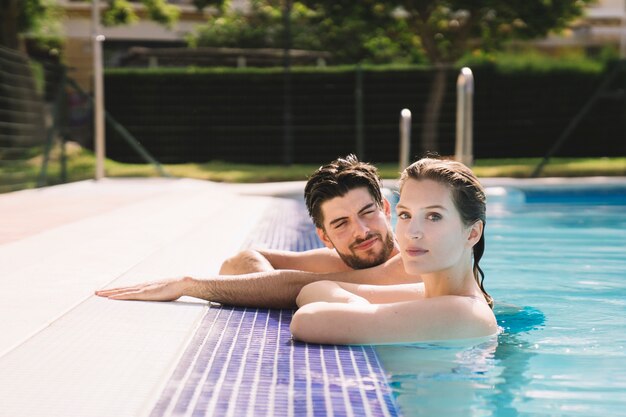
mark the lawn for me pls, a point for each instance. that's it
(81, 162)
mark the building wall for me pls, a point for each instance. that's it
(77, 29)
(604, 23)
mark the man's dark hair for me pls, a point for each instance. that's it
(336, 179)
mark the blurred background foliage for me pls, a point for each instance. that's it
(379, 35)
(395, 31)
(367, 31)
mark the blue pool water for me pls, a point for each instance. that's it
(556, 264)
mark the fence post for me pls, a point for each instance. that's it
(98, 93)
(464, 117)
(405, 138)
(288, 145)
(358, 98)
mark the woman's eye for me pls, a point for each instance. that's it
(433, 217)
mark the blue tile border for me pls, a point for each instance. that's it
(243, 361)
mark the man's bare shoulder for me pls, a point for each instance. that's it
(321, 260)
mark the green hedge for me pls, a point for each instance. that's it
(200, 114)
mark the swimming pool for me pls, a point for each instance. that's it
(555, 262)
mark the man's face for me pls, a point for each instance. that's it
(358, 229)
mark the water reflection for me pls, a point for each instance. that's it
(464, 377)
(512, 358)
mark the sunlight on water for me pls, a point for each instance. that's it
(556, 265)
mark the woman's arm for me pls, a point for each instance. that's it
(438, 318)
(345, 292)
(327, 291)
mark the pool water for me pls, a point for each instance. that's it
(555, 262)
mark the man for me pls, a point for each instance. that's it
(352, 219)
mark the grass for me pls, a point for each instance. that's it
(23, 173)
(557, 167)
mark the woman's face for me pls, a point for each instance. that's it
(429, 230)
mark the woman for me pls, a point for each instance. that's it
(440, 230)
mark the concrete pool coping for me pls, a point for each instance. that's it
(295, 188)
(64, 351)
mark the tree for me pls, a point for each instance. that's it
(356, 32)
(122, 12)
(447, 29)
(365, 31)
(261, 26)
(37, 17)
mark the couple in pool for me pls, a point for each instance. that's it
(367, 286)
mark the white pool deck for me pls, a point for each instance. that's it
(64, 351)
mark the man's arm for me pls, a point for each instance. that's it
(320, 260)
(274, 289)
(270, 289)
(246, 262)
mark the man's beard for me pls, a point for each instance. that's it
(354, 262)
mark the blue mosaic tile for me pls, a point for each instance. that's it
(243, 362)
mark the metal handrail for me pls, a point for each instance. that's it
(405, 138)
(464, 117)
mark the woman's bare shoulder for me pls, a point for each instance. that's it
(445, 317)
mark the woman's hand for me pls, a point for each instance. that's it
(164, 290)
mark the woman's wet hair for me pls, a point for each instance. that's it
(336, 179)
(468, 196)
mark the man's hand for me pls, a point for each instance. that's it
(165, 290)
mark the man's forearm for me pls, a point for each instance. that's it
(274, 289)
(279, 288)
